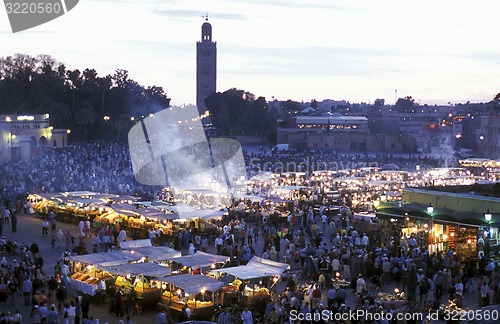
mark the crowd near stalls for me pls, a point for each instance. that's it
(320, 233)
(138, 276)
(107, 168)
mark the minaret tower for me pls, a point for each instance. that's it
(206, 66)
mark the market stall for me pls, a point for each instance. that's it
(255, 279)
(158, 254)
(397, 298)
(87, 275)
(139, 283)
(134, 244)
(194, 291)
(197, 262)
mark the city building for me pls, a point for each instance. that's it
(24, 136)
(342, 134)
(206, 66)
(488, 137)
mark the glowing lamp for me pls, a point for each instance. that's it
(430, 209)
(213, 266)
(487, 215)
(396, 290)
(128, 276)
(163, 286)
(469, 241)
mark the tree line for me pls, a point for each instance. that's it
(237, 112)
(104, 108)
(93, 107)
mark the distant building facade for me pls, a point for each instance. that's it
(342, 134)
(23, 136)
(488, 137)
(206, 66)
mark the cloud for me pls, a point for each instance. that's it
(318, 61)
(185, 13)
(299, 4)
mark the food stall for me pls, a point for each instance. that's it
(196, 263)
(139, 282)
(397, 298)
(87, 275)
(193, 217)
(135, 244)
(259, 277)
(138, 220)
(158, 254)
(71, 206)
(197, 292)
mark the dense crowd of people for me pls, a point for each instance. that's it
(106, 168)
(320, 245)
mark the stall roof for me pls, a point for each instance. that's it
(189, 212)
(256, 268)
(147, 269)
(158, 253)
(103, 258)
(193, 284)
(200, 259)
(134, 244)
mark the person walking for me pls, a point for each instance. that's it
(53, 316)
(12, 289)
(246, 316)
(13, 223)
(36, 315)
(485, 294)
(45, 227)
(27, 290)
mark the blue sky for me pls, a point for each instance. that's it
(356, 50)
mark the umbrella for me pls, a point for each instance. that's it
(412, 284)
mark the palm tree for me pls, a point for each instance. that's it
(85, 117)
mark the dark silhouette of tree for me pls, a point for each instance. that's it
(404, 104)
(236, 112)
(76, 99)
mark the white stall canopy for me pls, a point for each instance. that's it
(200, 260)
(104, 258)
(129, 245)
(256, 268)
(193, 284)
(158, 253)
(147, 269)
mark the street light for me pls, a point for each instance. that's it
(487, 215)
(430, 209)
